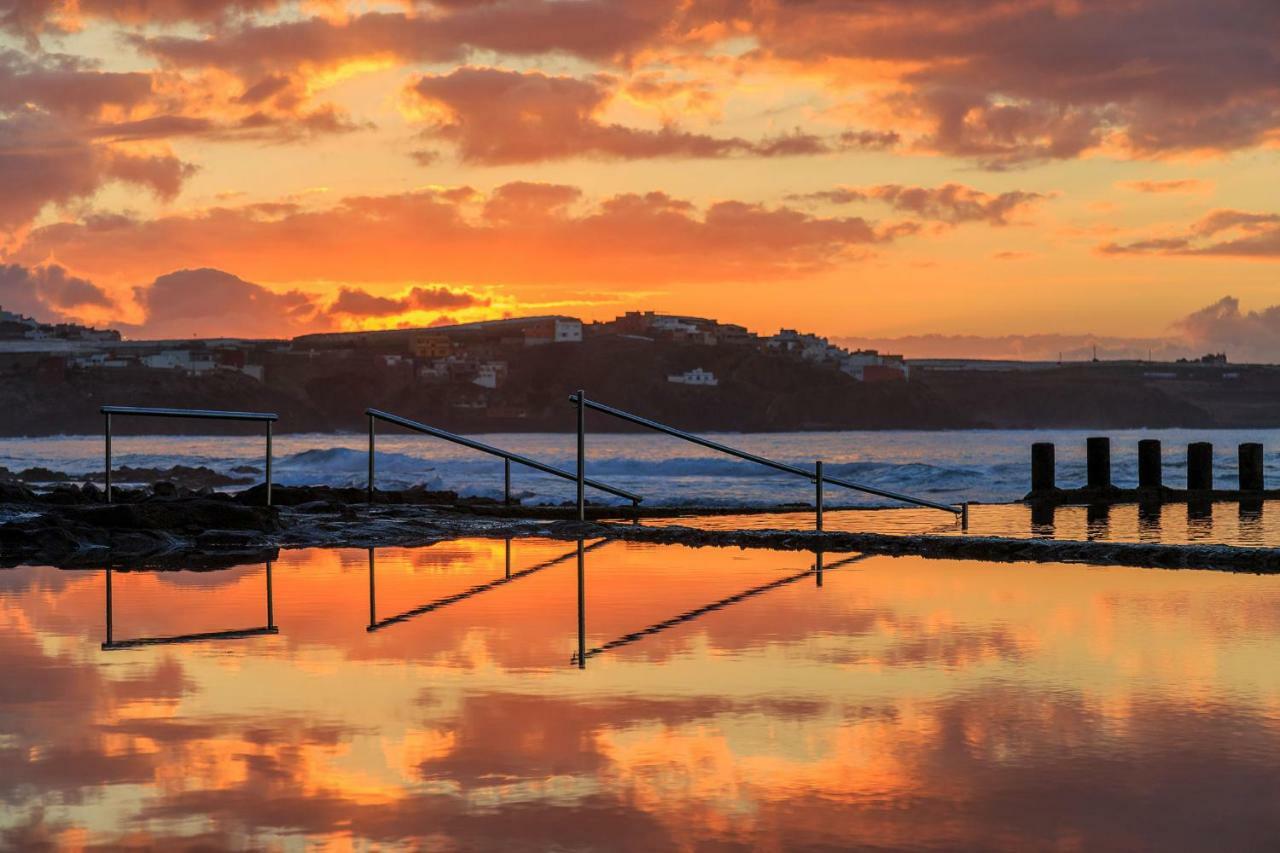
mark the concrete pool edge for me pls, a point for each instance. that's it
(78, 539)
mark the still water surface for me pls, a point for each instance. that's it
(1245, 524)
(891, 703)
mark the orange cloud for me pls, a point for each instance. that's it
(1221, 233)
(48, 160)
(521, 234)
(950, 203)
(1014, 83)
(1185, 185)
(497, 117)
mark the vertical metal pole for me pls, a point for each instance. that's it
(817, 478)
(271, 615)
(108, 605)
(373, 618)
(370, 494)
(964, 516)
(582, 457)
(506, 478)
(582, 609)
(268, 472)
(107, 435)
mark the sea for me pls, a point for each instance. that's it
(989, 466)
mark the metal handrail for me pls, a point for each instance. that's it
(816, 476)
(200, 414)
(506, 455)
(208, 414)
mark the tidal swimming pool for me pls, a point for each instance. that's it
(1245, 524)
(491, 695)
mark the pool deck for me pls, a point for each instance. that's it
(212, 532)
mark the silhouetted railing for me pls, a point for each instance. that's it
(376, 624)
(199, 414)
(112, 644)
(816, 475)
(506, 455)
(583, 654)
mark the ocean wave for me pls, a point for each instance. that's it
(948, 468)
(344, 466)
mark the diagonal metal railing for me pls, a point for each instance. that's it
(507, 456)
(816, 476)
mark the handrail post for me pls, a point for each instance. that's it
(506, 480)
(109, 637)
(373, 618)
(268, 463)
(582, 608)
(817, 479)
(107, 446)
(370, 490)
(271, 616)
(964, 516)
(582, 455)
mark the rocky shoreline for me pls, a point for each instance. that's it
(168, 526)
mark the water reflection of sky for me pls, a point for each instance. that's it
(903, 703)
(1249, 524)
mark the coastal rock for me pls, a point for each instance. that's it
(296, 495)
(190, 515)
(12, 492)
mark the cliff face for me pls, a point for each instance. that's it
(757, 391)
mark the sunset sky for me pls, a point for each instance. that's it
(864, 169)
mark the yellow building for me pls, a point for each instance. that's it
(430, 346)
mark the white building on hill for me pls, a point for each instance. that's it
(697, 376)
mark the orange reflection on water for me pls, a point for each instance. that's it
(729, 697)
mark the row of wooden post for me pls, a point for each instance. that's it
(1150, 474)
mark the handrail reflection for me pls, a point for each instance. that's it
(376, 624)
(113, 644)
(580, 658)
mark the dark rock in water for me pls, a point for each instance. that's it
(43, 475)
(12, 492)
(164, 489)
(193, 515)
(184, 476)
(293, 496)
(342, 510)
(67, 495)
(223, 538)
(246, 469)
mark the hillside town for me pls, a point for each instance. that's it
(475, 353)
(512, 374)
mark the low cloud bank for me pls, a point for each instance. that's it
(1245, 336)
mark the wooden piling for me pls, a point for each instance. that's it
(1042, 466)
(1251, 476)
(1099, 461)
(1149, 470)
(1199, 466)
